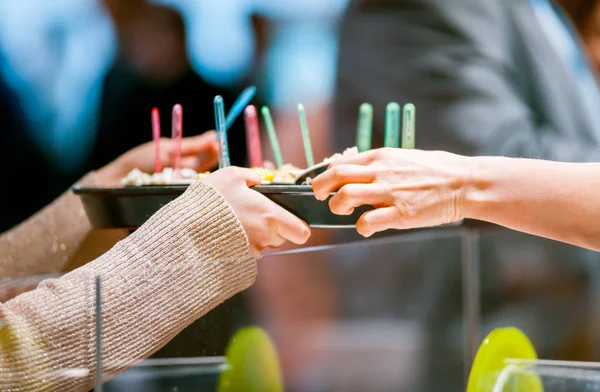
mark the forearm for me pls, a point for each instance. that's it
(44, 243)
(152, 288)
(555, 200)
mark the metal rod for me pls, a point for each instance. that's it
(98, 383)
(470, 296)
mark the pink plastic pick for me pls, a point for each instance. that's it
(253, 136)
(176, 132)
(156, 139)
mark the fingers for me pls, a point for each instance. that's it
(289, 227)
(196, 145)
(206, 161)
(377, 220)
(228, 178)
(250, 177)
(336, 177)
(363, 159)
(355, 195)
(190, 163)
(201, 163)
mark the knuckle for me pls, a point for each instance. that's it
(334, 206)
(344, 194)
(408, 211)
(338, 173)
(270, 218)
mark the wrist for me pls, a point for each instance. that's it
(477, 187)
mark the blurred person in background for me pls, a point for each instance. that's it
(81, 78)
(487, 78)
(152, 69)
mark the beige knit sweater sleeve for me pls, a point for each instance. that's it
(44, 243)
(188, 258)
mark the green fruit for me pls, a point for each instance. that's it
(252, 363)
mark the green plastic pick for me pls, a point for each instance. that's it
(310, 162)
(408, 126)
(272, 136)
(392, 125)
(365, 127)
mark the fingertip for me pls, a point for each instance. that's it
(362, 225)
(305, 235)
(318, 195)
(254, 252)
(252, 178)
(302, 235)
(317, 191)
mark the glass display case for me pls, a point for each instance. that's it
(358, 315)
(397, 312)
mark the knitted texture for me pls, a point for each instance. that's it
(185, 260)
(44, 243)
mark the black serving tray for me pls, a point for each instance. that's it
(130, 207)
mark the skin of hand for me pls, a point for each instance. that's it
(266, 224)
(408, 188)
(197, 152)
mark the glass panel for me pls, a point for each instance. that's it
(547, 289)
(548, 376)
(380, 314)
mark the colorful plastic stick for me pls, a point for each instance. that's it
(365, 127)
(272, 136)
(305, 136)
(238, 105)
(253, 136)
(176, 133)
(221, 132)
(392, 125)
(408, 126)
(156, 140)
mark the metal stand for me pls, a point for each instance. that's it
(470, 294)
(98, 383)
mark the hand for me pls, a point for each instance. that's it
(197, 152)
(408, 188)
(266, 224)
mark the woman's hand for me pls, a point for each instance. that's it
(408, 188)
(197, 152)
(266, 224)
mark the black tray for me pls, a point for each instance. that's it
(130, 207)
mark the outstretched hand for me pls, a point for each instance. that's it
(408, 188)
(266, 224)
(197, 152)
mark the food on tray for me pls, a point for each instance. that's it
(348, 151)
(266, 175)
(285, 175)
(166, 177)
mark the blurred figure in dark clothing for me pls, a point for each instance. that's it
(152, 70)
(25, 171)
(487, 77)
